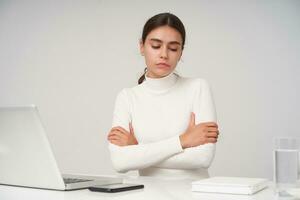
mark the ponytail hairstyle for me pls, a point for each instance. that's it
(162, 19)
(142, 78)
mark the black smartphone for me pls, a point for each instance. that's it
(111, 188)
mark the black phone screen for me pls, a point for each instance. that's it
(115, 187)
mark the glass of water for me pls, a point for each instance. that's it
(286, 165)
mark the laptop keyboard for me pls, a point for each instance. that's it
(75, 180)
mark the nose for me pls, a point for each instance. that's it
(164, 53)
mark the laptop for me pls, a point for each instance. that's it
(26, 158)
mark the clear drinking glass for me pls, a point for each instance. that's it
(286, 165)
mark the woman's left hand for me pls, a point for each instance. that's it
(119, 136)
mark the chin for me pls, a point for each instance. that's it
(159, 73)
(163, 74)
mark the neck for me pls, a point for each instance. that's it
(153, 76)
(160, 85)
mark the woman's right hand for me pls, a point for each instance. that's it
(120, 137)
(199, 134)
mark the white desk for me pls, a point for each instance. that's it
(155, 189)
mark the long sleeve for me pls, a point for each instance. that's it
(139, 156)
(200, 156)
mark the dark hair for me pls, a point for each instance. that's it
(162, 19)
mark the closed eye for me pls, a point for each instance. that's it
(155, 47)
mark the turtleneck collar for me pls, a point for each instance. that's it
(160, 85)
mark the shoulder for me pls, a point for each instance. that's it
(194, 83)
(127, 93)
(122, 95)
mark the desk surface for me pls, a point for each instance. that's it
(155, 189)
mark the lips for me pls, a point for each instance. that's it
(163, 65)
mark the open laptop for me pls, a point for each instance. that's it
(26, 158)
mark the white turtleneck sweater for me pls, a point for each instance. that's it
(160, 111)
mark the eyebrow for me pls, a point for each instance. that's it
(160, 41)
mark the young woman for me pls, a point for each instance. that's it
(166, 125)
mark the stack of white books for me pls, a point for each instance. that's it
(230, 185)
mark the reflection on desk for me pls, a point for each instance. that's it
(155, 188)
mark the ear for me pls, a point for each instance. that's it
(141, 47)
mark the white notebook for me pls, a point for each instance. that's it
(230, 185)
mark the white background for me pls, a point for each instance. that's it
(71, 58)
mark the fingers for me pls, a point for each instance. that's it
(117, 142)
(212, 134)
(121, 137)
(117, 134)
(212, 129)
(114, 137)
(117, 138)
(192, 120)
(119, 128)
(209, 124)
(211, 140)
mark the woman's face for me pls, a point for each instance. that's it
(162, 50)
